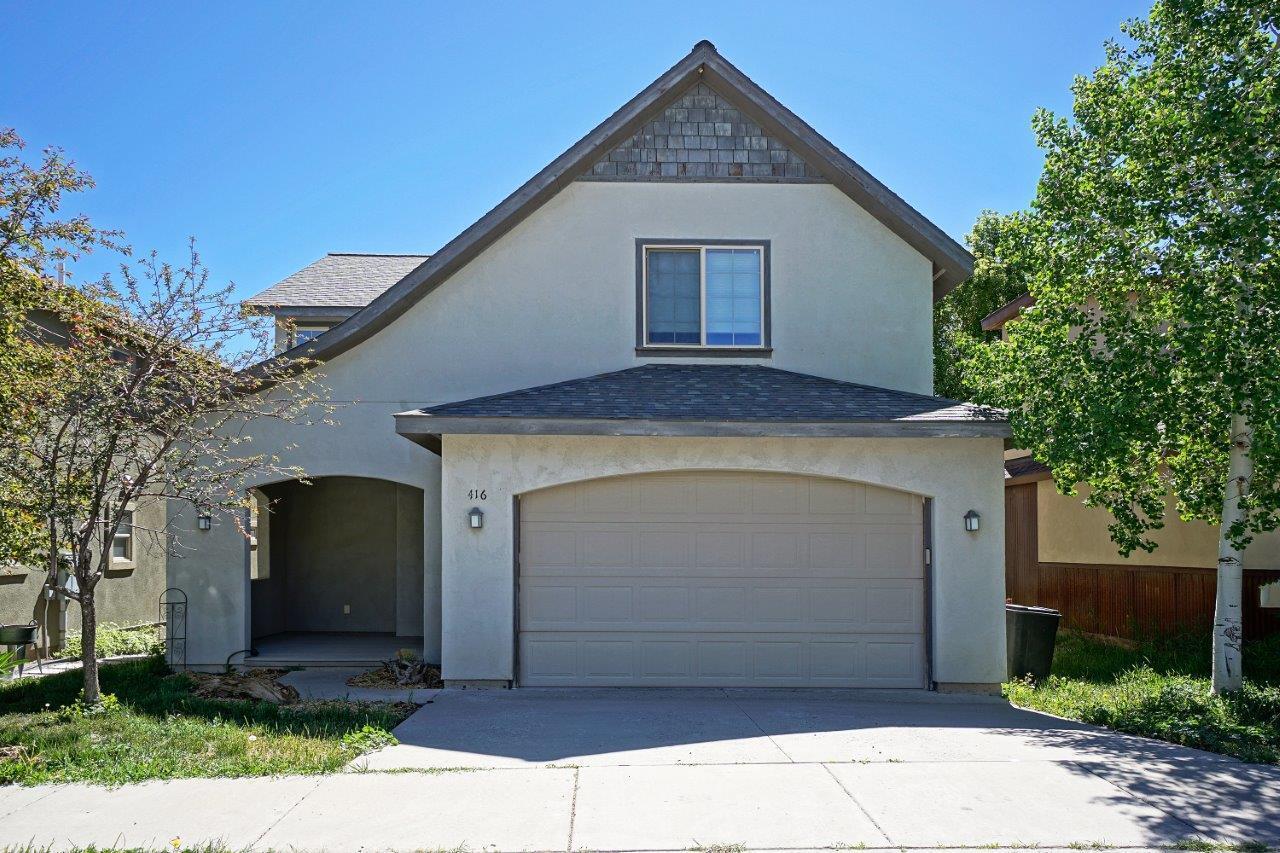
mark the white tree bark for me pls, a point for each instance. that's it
(1228, 628)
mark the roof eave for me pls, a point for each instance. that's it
(997, 319)
(420, 427)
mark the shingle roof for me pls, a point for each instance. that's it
(702, 392)
(1025, 466)
(338, 280)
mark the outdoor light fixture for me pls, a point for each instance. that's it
(204, 521)
(476, 518)
(971, 519)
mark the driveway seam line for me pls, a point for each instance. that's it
(573, 808)
(288, 811)
(1179, 818)
(861, 807)
(759, 727)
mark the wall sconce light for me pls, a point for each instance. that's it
(476, 518)
(971, 521)
(204, 521)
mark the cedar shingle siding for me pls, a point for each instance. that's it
(702, 136)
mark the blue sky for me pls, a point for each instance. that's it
(275, 132)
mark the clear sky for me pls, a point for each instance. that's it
(275, 132)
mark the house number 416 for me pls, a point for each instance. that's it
(477, 495)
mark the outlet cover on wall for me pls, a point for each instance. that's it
(346, 610)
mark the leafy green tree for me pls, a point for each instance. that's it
(1150, 363)
(115, 396)
(998, 278)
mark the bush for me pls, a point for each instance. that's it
(156, 728)
(115, 640)
(1161, 689)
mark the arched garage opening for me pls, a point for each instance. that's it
(336, 570)
(721, 578)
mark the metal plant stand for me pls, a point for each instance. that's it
(173, 615)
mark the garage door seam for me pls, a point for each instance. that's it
(759, 728)
(861, 807)
(1082, 765)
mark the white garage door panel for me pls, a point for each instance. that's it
(721, 660)
(710, 604)
(721, 579)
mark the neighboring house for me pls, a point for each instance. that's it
(1059, 554)
(661, 417)
(129, 594)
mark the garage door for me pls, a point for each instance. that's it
(721, 579)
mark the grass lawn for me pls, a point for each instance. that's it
(161, 731)
(1161, 690)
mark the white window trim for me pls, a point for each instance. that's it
(127, 537)
(701, 248)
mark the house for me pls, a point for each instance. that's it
(661, 417)
(1059, 554)
(130, 591)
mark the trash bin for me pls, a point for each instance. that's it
(1030, 633)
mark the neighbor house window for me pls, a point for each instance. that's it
(302, 334)
(122, 542)
(704, 295)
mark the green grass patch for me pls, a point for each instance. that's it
(115, 640)
(159, 730)
(1160, 689)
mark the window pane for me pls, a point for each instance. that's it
(122, 542)
(733, 297)
(303, 334)
(674, 299)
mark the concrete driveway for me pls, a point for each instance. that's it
(676, 769)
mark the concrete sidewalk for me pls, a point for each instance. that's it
(674, 770)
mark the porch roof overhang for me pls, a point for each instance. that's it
(705, 400)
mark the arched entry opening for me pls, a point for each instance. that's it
(336, 570)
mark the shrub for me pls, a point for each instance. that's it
(115, 640)
(367, 739)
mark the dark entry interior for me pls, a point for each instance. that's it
(341, 555)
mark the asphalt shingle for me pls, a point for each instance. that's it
(703, 392)
(338, 280)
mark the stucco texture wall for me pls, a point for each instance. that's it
(1070, 532)
(959, 474)
(554, 299)
(129, 593)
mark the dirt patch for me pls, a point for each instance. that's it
(255, 684)
(384, 678)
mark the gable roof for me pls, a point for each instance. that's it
(952, 263)
(339, 280)
(706, 399)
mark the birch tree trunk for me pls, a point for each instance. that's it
(1228, 627)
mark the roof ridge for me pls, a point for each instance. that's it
(376, 255)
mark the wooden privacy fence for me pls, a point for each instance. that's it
(1119, 600)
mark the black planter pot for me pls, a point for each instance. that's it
(18, 635)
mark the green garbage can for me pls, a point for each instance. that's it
(1030, 633)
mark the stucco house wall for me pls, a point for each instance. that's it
(958, 474)
(555, 299)
(1070, 532)
(129, 594)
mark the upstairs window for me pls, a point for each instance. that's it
(704, 295)
(122, 542)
